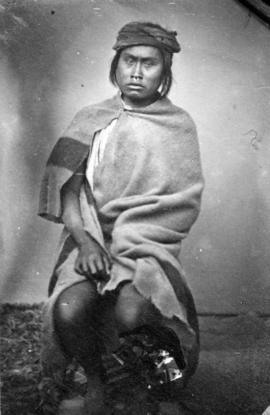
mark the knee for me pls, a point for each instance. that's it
(127, 317)
(132, 310)
(74, 306)
(66, 313)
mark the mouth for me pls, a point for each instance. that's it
(135, 86)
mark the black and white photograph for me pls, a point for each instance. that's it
(135, 208)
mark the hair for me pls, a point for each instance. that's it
(166, 76)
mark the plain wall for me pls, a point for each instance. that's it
(55, 59)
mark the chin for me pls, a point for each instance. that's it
(135, 94)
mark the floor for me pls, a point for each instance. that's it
(233, 376)
(234, 372)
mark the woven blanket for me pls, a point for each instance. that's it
(146, 196)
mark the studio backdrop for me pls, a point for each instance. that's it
(55, 58)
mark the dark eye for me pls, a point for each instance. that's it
(129, 60)
(148, 64)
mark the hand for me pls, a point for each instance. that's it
(92, 261)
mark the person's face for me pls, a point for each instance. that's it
(138, 74)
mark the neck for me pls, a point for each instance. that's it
(140, 103)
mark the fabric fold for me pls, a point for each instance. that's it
(146, 196)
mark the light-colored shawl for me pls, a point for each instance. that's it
(146, 196)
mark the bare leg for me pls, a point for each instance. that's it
(132, 311)
(75, 324)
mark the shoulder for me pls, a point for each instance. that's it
(178, 112)
(87, 111)
(180, 117)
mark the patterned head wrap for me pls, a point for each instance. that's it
(147, 34)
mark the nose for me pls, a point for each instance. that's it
(137, 71)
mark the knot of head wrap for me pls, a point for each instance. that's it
(147, 34)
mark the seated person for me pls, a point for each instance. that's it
(125, 180)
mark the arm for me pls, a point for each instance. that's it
(92, 260)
